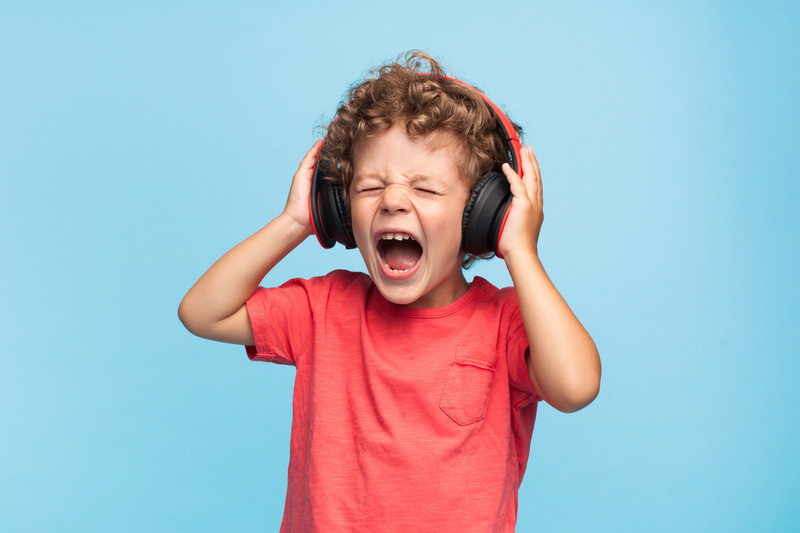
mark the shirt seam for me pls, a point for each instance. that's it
(429, 313)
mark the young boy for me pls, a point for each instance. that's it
(416, 391)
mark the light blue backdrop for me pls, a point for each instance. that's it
(139, 142)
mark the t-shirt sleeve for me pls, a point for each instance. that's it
(282, 319)
(517, 346)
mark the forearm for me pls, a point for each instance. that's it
(214, 306)
(564, 364)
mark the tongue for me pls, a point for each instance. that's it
(401, 255)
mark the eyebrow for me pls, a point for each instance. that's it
(413, 179)
(423, 177)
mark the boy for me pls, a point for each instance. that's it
(416, 391)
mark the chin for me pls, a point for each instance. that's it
(395, 294)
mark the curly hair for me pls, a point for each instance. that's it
(397, 93)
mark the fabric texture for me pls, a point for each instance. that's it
(403, 419)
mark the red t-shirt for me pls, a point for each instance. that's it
(403, 419)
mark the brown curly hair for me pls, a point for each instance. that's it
(397, 93)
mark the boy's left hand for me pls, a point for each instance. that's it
(521, 231)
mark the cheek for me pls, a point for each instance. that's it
(356, 209)
(455, 212)
(359, 218)
(447, 224)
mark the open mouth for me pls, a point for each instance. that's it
(399, 252)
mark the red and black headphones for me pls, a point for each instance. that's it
(484, 215)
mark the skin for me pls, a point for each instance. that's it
(563, 362)
(413, 186)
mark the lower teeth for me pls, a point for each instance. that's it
(395, 270)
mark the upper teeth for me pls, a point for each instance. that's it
(396, 236)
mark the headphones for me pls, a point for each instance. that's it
(484, 215)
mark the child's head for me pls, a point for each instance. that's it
(426, 107)
(408, 148)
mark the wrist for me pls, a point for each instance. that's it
(522, 261)
(292, 229)
(521, 254)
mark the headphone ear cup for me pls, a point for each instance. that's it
(329, 214)
(335, 214)
(484, 214)
(344, 229)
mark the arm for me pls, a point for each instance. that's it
(214, 308)
(563, 362)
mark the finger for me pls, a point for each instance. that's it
(532, 171)
(528, 170)
(310, 159)
(518, 188)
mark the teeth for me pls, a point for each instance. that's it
(392, 269)
(396, 237)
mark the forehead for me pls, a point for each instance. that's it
(392, 150)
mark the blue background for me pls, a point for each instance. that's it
(139, 142)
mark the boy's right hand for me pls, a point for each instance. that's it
(297, 204)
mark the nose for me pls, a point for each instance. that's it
(394, 200)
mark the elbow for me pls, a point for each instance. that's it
(188, 318)
(579, 391)
(197, 319)
(577, 399)
(184, 315)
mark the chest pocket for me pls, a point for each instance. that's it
(466, 390)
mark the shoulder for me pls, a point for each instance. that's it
(487, 293)
(316, 289)
(334, 279)
(497, 306)
(346, 281)
(337, 285)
